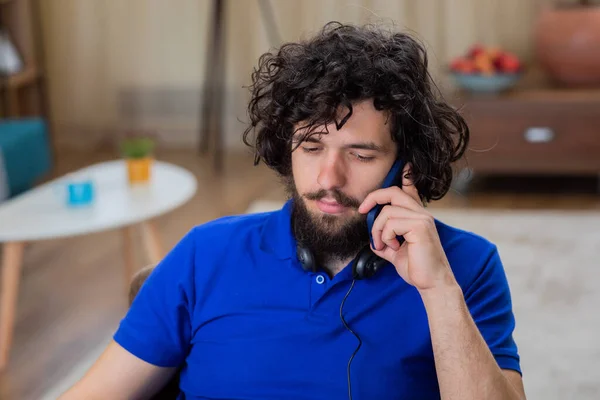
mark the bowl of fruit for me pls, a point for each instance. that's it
(486, 69)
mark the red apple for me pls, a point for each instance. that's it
(475, 51)
(509, 63)
(462, 65)
(455, 64)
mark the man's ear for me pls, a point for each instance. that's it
(408, 185)
(407, 175)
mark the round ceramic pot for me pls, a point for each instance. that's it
(567, 44)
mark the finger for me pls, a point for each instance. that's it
(395, 227)
(388, 234)
(408, 185)
(392, 255)
(392, 195)
(412, 229)
(387, 213)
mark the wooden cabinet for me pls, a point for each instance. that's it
(534, 131)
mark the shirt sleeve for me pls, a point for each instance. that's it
(157, 326)
(490, 304)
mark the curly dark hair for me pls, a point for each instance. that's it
(307, 83)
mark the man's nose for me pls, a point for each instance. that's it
(333, 173)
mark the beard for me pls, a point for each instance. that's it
(329, 237)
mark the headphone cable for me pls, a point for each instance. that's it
(351, 331)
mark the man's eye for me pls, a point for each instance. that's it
(310, 149)
(364, 158)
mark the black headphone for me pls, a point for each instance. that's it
(365, 264)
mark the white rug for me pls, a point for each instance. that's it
(552, 261)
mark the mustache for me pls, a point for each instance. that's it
(339, 197)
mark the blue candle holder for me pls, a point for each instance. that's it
(80, 193)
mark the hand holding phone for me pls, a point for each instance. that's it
(421, 261)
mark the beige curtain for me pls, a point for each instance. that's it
(115, 64)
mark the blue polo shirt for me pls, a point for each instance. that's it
(231, 305)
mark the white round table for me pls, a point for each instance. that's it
(42, 213)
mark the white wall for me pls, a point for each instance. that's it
(154, 50)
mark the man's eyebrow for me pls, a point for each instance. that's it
(358, 145)
(312, 139)
(365, 146)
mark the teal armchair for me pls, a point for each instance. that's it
(25, 155)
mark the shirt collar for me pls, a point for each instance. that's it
(277, 236)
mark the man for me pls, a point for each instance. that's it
(236, 313)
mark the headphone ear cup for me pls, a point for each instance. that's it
(366, 264)
(378, 263)
(306, 258)
(360, 268)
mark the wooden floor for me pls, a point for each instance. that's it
(72, 292)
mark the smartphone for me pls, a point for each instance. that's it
(393, 178)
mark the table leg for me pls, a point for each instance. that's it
(128, 254)
(12, 261)
(152, 242)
